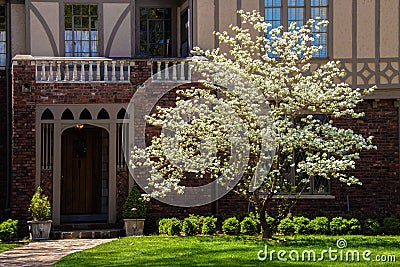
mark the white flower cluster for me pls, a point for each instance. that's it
(258, 116)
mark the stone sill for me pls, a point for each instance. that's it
(306, 197)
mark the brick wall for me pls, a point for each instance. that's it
(378, 170)
(3, 144)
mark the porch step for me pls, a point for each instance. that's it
(87, 234)
(84, 226)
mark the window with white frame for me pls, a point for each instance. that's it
(285, 12)
(81, 30)
(296, 182)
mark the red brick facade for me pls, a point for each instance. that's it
(378, 170)
(3, 143)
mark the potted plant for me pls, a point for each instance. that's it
(134, 213)
(40, 210)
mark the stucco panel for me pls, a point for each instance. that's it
(18, 39)
(40, 43)
(205, 24)
(249, 5)
(342, 29)
(227, 14)
(121, 44)
(366, 29)
(389, 28)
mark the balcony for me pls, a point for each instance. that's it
(100, 69)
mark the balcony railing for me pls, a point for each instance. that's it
(385, 72)
(99, 69)
(94, 69)
(171, 69)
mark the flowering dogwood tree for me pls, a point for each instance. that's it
(262, 126)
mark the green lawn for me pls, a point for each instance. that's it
(4, 247)
(232, 251)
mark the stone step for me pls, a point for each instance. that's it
(84, 226)
(87, 234)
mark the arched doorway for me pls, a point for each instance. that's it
(84, 174)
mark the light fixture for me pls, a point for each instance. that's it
(79, 126)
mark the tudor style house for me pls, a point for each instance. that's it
(69, 69)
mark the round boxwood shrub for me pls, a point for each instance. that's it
(174, 226)
(372, 227)
(390, 225)
(230, 226)
(248, 226)
(287, 226)
(8, 230)
(319, 226)
(163, 225)
(353, 226)
(209, 226)
(301, 225)
(338, 226)
(190, 225)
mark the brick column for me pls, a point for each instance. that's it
(23, 136)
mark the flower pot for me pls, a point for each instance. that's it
(134, 226)
(40, 230)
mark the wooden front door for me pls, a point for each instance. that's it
(81, 171)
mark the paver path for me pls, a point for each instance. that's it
(46, 253)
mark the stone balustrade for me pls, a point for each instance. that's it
(84, 69)
(99, 69)
(170, 69)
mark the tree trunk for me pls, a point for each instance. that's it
(266, 231)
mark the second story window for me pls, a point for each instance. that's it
(3, 47)
(284, 12)
(81, 30)
(155, 32)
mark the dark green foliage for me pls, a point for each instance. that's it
(372, 227)
(249, 226)
(231, 226)
(174, 226)
(209, 226)
(301, 225)
(390, 226)
(319, 226)
(353, 226)
(134, 206)
(271, 224)
(40, 207)
(287, 226)
(8, 230)
(163, 225)
(339, 226)
(191, 225)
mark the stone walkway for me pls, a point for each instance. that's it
(46, 253)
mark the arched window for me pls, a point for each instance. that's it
(67, 115)
(47, 115)
(85, 115)
(103, 115)
(121, 114)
